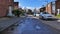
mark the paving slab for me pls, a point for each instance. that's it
(54, 24)
(6, 22)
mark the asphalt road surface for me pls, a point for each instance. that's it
(30, 25)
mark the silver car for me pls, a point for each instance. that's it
(46, 15)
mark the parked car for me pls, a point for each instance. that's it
(46, 15)
(36, 14)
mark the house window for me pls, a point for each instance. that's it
(53, 7)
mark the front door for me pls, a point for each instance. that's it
(10, 11)
(58, 11)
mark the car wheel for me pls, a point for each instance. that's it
(42, 17)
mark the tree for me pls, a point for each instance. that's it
(42, 9)
(16, 12)
(22, 11)
(30, 11)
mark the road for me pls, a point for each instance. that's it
(30, 25)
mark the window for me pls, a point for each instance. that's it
(53, 7)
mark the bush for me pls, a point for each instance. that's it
(16, 12)
(22, 12)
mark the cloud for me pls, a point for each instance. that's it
(30, 7)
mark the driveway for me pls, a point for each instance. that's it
(30, 25)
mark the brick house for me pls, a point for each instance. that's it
(49, 8)
(16, 5)
(42, 9)
(58, 7)
(5, 7)
(53, 7)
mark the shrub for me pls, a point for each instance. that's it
(16, 12)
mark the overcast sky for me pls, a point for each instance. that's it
(32, 3)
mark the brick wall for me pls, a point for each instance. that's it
(49, 8)
(16, 5)
(57, 4)
(4, 5)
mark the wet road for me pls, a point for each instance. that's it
(30, 25)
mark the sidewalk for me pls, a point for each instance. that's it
(6, 22)
(54, 24)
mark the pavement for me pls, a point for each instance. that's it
(53, 23)
(6, 22)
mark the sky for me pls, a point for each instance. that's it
(32, 3)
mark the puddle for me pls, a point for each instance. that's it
(38, 27)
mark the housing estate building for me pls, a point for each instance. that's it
(16, 6)
(53, 7)
(6, 6)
